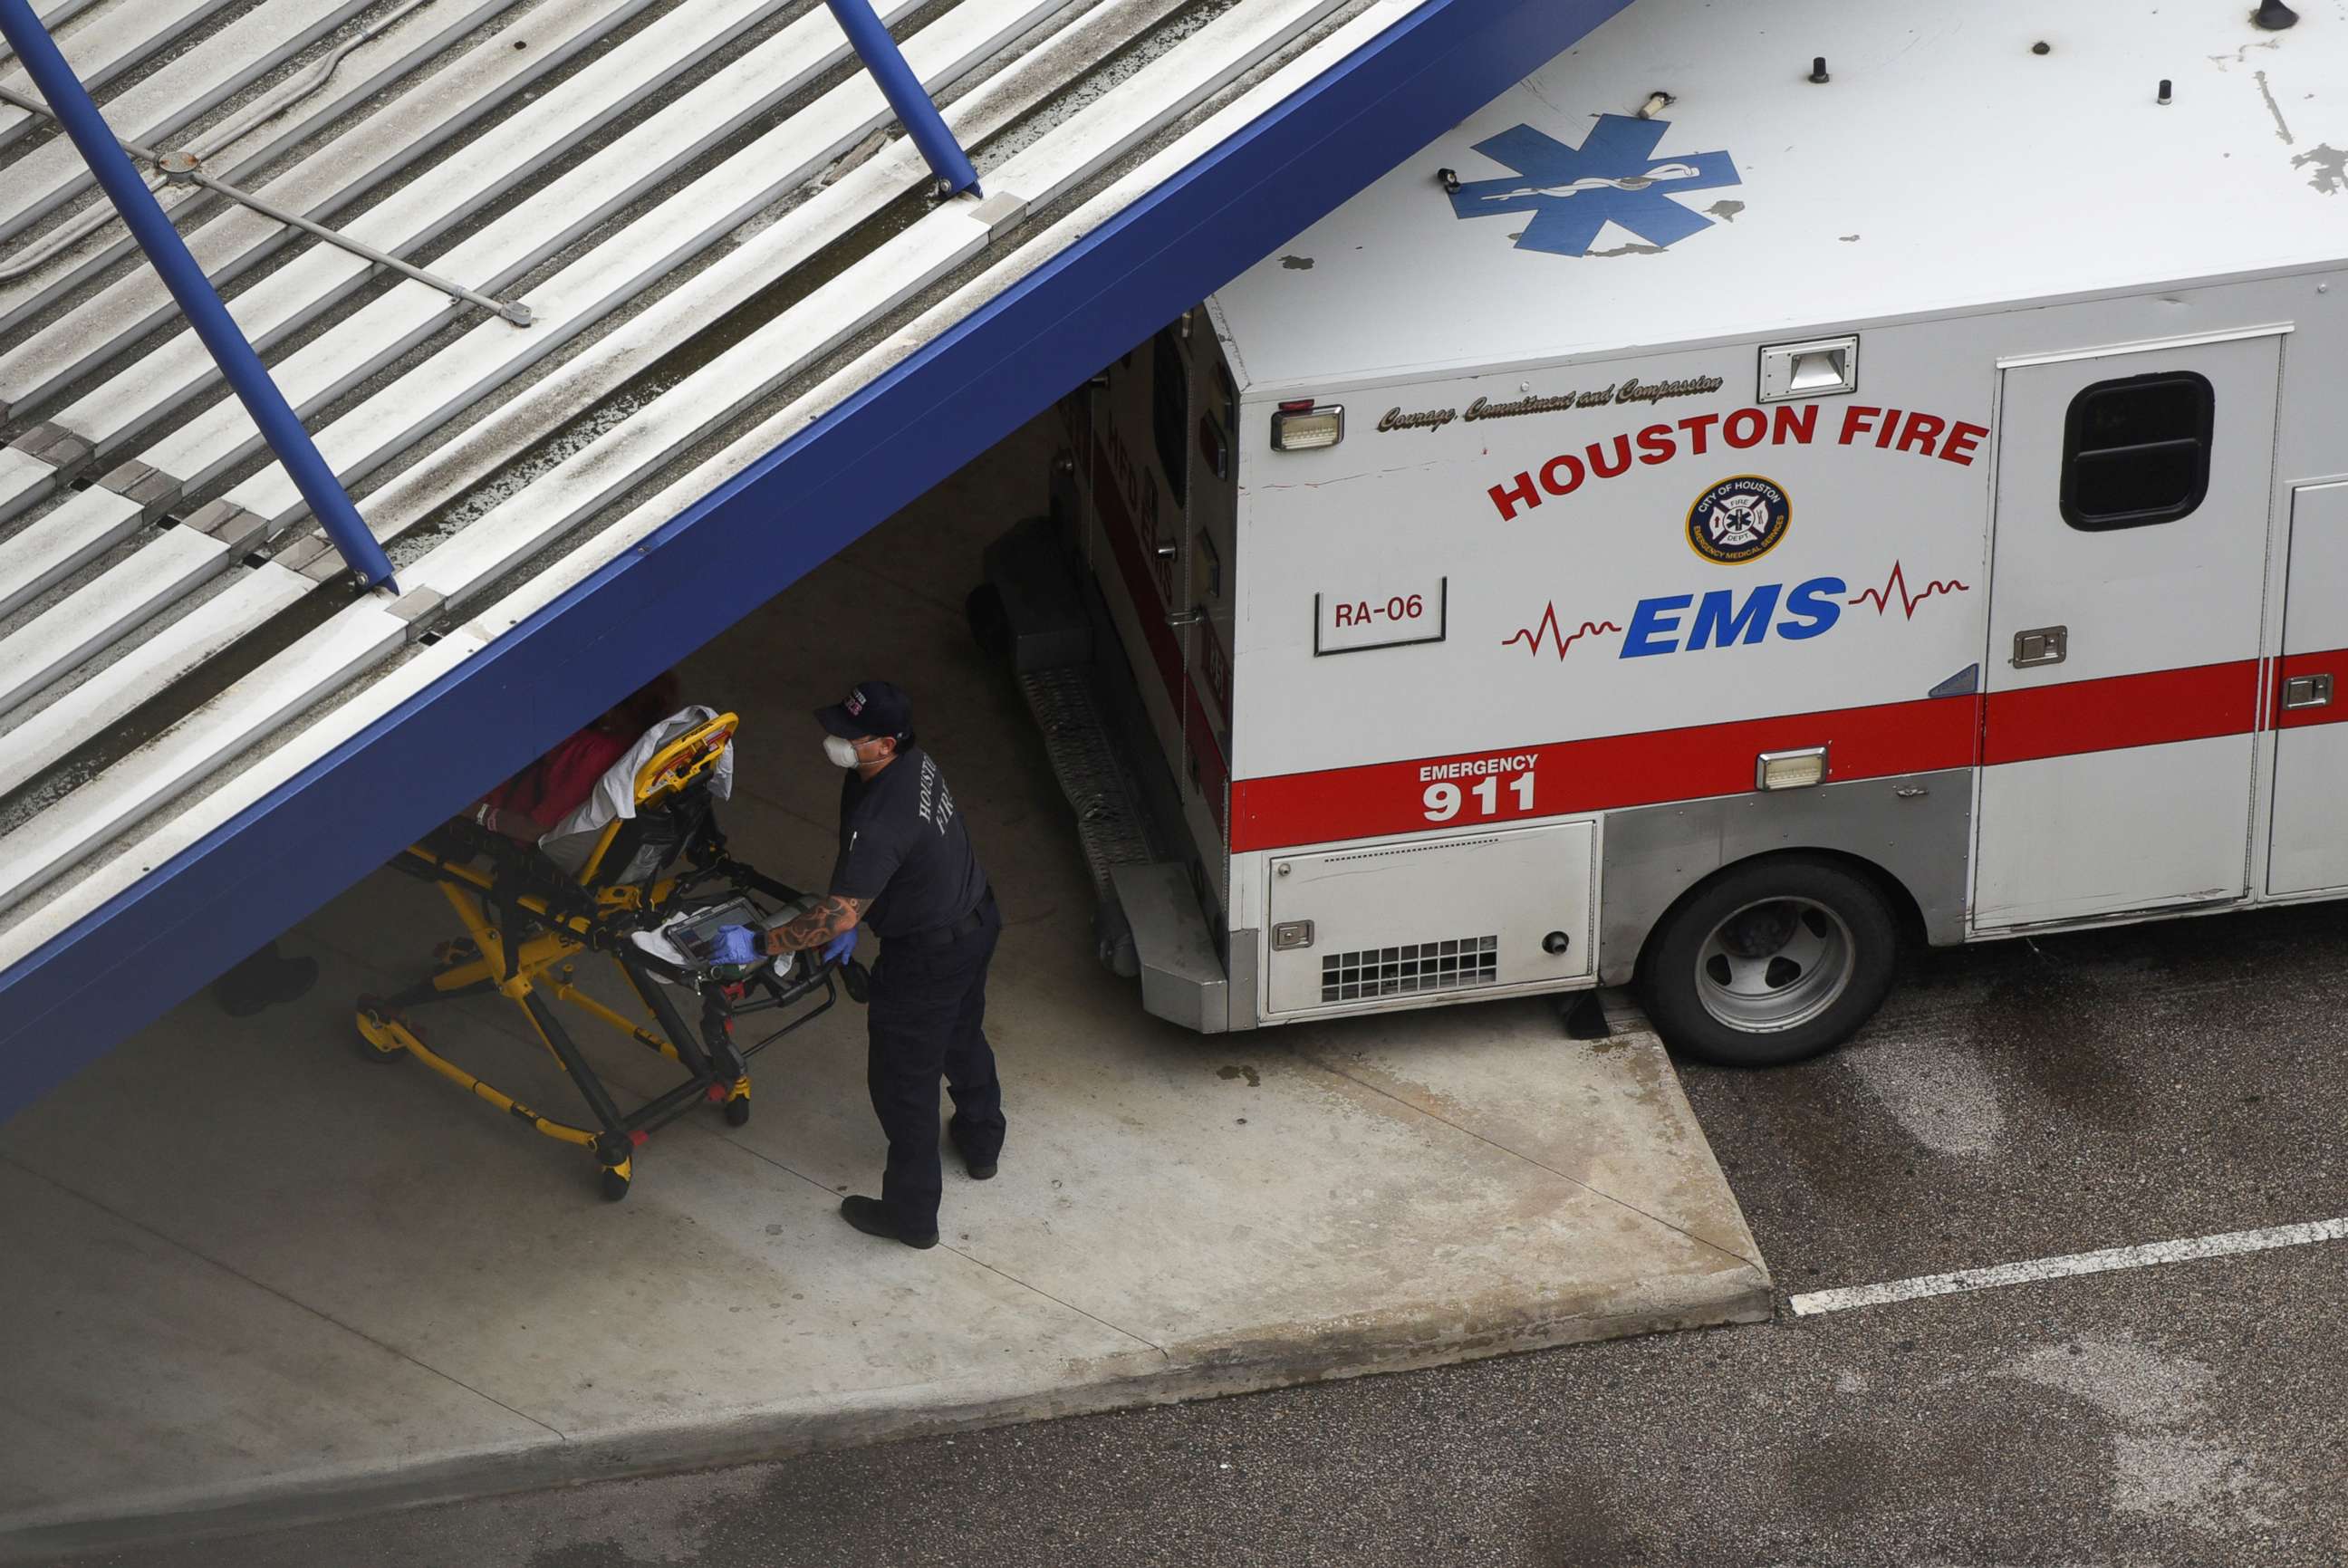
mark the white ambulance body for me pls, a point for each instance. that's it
(1697, 546)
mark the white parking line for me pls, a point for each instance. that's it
(2137, 1258)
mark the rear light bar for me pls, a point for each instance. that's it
(1304, 425)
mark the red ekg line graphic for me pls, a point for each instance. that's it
(1898, 581)
(1532, 635)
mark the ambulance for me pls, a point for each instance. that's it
(1783, 481)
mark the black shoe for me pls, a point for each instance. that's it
(980, 1170)
(263, 981)
(294, 979)
(237, 1001)
(872, 1217)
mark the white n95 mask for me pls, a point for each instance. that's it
(842, 753)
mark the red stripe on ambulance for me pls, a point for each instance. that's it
(2069, 719)
(1609, 772)
(2113, 714)
(1206, 756)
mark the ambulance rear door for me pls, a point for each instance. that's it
(1210, 564)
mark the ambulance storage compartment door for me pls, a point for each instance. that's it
(2126, 588)
(1431, 920)
(2311, 699)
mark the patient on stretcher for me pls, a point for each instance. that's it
(564, 800)
(525, 806)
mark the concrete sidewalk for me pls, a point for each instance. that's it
(249, 1274)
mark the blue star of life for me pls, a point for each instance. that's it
(1613, 177)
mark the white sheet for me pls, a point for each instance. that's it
(570, 842)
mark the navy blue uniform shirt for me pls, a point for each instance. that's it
(904, 851)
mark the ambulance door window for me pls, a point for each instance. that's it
(2136, 451)
(1169, 411)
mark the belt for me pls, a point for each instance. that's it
(944, 936)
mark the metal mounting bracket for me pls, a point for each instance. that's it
(182, 168)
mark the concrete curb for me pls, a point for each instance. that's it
(1278, 1357)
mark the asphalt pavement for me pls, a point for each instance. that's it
(2013, 1102)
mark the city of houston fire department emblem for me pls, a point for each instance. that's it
(1739, 520)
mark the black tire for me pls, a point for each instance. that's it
(738, 1112)
(1770, 962)
(990, 624)
(616, 1186)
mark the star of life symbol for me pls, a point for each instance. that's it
(1736, 521)
(1613, 177)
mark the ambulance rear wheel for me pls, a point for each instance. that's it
(1771, 962)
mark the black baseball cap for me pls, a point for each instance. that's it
(874, 708)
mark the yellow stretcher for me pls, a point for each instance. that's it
(528, 923)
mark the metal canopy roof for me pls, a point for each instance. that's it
(751, 336)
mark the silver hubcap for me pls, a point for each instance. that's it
(1775, 965)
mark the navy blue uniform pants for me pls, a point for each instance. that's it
(927, 1020)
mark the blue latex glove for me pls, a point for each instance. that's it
(839, 946)
(733, 944)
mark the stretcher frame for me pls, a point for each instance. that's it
(526, 927)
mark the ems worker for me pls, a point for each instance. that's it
(905, 868)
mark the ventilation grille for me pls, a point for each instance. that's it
(1457, 965)
(1393, 849)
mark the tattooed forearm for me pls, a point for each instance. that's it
(832, 914)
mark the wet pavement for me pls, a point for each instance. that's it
(2057, 1095)
(2013, 1102)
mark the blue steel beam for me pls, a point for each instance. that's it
(735, 548)
(915, 109)
(198, 300)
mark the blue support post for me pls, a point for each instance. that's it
(906, 95)
(246, 373)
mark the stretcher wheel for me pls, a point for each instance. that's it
(615, 1163)
(377, 1042)
(738, 1112)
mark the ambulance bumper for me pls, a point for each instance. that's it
(1183, 977)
